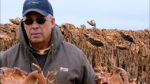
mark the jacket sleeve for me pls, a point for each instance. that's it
(2, 60)
(88, 72)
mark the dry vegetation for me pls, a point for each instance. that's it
(17, 76)
(105, 48)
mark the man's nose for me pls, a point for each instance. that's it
(35, 25)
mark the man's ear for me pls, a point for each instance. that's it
(53, 22)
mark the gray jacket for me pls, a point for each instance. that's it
(62, 54)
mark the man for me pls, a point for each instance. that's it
(41, 42)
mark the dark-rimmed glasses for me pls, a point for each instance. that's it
(29, 21)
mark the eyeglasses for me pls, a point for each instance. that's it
(38, 20)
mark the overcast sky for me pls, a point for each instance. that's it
(109, 14)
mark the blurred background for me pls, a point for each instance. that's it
(108, 14)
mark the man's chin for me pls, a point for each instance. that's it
(36, 41)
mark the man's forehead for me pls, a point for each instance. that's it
(30, 14)
(35, 15)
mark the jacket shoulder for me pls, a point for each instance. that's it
(70, 46)
(11, 50)
(8, 55)
(74, 52)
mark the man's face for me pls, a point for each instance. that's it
(37, 30)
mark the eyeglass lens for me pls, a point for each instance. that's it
(38, 20)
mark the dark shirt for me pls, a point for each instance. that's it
(41, 58)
